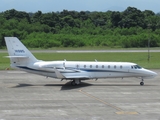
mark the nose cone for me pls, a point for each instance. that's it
(154, 74)
(150, 74)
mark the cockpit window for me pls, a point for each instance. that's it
(137, 67)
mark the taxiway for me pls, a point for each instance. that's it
(27, 96)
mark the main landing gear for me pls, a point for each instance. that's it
(75, 82)
(142, 83)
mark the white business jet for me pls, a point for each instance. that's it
(21, 58)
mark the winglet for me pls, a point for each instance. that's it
(58, 74)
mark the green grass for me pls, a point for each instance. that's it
(4, 62)
(139, 58)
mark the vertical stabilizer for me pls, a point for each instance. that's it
(19, 55)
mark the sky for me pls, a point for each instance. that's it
(78, 5)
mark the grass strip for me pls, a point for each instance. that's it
(137, 57)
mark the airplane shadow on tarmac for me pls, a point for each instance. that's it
(68, 86)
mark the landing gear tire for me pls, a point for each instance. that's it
(141, 83)
(73, 83)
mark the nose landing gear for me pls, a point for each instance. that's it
(142, 83)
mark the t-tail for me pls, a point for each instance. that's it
(19, 55)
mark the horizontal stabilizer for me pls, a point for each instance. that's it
(16, 56)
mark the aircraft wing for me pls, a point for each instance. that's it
(58, 74)
(61, 76)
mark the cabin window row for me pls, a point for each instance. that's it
(109, 66)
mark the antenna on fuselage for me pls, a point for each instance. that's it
(64, 64)
(95, 60)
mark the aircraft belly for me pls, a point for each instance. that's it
(92, 75)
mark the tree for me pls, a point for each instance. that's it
(153, 22)
(37, 17)
(69, 21)
(132, 17)
(71, 28)
(18, 15)
(116, 18)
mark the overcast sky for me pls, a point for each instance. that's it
(78, 5)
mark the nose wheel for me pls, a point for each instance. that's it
(142, 83)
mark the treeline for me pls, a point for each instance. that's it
(130, 28)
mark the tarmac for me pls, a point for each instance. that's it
(26, 96)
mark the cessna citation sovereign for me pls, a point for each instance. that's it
(21, 58)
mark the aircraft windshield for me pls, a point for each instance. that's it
(137, 67)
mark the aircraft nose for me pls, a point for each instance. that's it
(150, 74)
(153, 73)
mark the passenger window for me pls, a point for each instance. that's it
(108, 66)
(102, 66)
(121, 66)
(90, 66)
(96, 66)
(77, 66)
(84, 66)
(115, 66)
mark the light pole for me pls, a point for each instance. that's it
(149, 42)
(148, 49)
